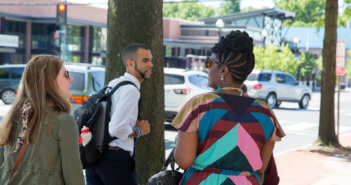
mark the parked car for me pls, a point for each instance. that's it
(180, 86)
(10, 77)
(277, 86)
(87, 80)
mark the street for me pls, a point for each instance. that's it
(300, 126)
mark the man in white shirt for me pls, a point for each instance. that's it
(117, 165)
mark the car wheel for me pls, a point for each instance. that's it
(303, 103)
(278, 104)
(8, 96)
(271, 100)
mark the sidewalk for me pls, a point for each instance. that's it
(312, 168)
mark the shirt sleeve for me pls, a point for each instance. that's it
(278, 131)
(72, 170)
(124, 111)
(188, 118)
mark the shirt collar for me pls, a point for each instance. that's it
(132, 79)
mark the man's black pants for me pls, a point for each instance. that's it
(116, 167)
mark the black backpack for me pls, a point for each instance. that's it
(94, 113)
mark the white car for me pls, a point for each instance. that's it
(180, 86)
(277, 86)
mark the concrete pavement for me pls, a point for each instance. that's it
(304, 167)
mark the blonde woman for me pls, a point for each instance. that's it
(39, 124)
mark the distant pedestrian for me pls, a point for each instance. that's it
(226, 137)
(39, 126)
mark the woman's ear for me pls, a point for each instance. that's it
(225, 70)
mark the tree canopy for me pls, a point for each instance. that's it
(307, 12)
(229, 7)
(187, 10)
(272, 58)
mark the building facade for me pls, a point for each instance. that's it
(27, 28)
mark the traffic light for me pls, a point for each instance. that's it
(61, 17)
(55, 38)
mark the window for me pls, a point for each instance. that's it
(264, 77)
(252, 77)
(78, 80)
(98, 80)
(199, 81)
(17, 72)
(174, 79)
(280, 78)
(4, 73)
(290, 80)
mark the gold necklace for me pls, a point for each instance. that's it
(233, 88)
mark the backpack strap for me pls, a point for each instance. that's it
(119, 85)
(109, 105)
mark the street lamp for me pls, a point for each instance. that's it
(296, 41)
(220, 25)
(264, 35)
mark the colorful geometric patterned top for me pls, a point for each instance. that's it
(232, 131)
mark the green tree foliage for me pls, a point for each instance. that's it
(307, 65)
(229, 7)
(346, 15)
(308, 12)
(187, 10)
(271, 58)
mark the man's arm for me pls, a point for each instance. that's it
(124, 111)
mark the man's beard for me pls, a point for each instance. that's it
(141, 74)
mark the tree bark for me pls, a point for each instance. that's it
(140, 21)
(326, 134)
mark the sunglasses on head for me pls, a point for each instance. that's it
(210, 61)
(67, 74)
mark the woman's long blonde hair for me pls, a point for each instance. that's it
(40, 88)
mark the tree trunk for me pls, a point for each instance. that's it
(140, 21)
(326, 135)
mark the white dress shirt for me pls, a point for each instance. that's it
(124, 112)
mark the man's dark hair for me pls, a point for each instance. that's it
(130, 51)
(235, 50)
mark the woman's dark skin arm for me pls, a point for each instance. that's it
(186, 149)
(266, 154)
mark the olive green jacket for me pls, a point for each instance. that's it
(52, 160)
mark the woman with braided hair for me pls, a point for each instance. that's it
(226, 137)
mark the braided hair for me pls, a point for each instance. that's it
(235, 51)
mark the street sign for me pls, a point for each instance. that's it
(340, 58)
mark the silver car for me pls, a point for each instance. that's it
(277, 86)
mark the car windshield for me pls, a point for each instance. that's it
(174, 79)
(199, 81)
(78, 80)
(98, 80)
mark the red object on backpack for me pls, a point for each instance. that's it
(83, 130)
